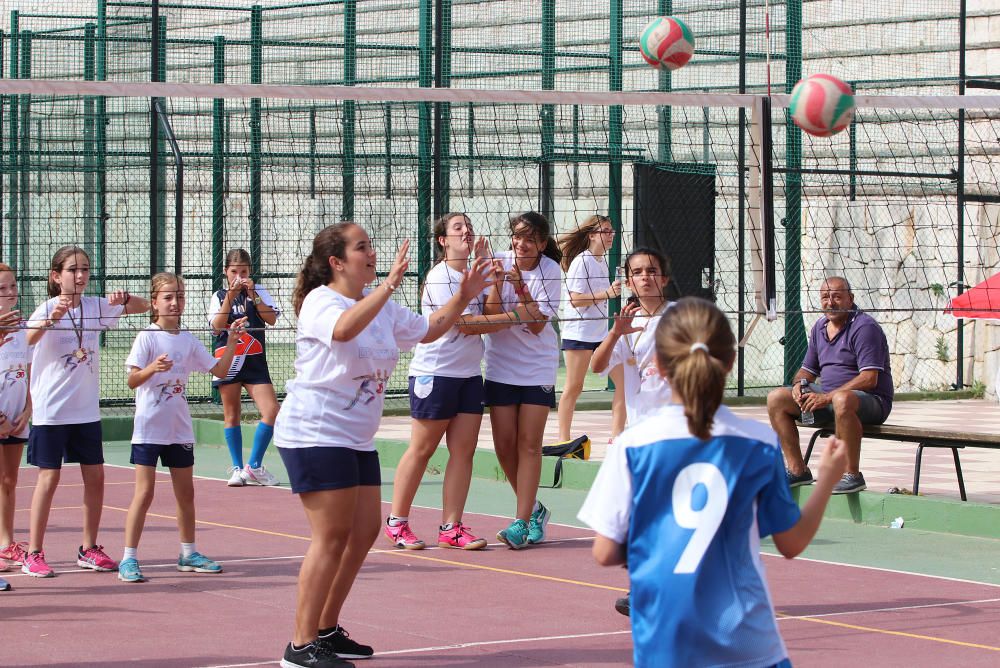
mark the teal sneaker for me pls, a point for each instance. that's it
(536, 525)
(128, 571)
(197, 563)
(515, 536)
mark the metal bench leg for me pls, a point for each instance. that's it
(916, 470)
(812, 442)
(958, 472)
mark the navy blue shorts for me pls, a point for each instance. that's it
(49, 445)
(502, 394)
(442, 398)
(253, 372)
(573, 344)
(173, 456)
(13, 440)
(317, 469)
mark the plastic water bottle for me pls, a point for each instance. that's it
(807, 417)
(620, 276)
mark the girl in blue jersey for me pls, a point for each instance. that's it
(684, 498)
(242, 298)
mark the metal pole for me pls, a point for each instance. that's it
(795, 329)
(425, 141)
(442, 110)
(664, 113)
(24, 221)
(615, 130)
(218, 164)
(546, 168)
(12, 180)
(741, 210)
(256, 140)
(960, 200)
(154, 138)
(89, 131)
(101, 140)
(348, 123)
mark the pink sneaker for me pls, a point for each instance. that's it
(459, 536)
(35, 566)
(4, 565)
(14, 553)
(402, 536)
(95, 559)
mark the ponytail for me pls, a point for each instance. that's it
(695, 349)
(329, 242)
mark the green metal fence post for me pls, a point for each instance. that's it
(442, 110)
(101, 149)
(89, 131)
(424, 144)
(664, 118)
(22, 256)
(13, 213)
(218, 164)
(256, 139)
(615, 119)
(161, 159)
(546, 172)
(349, 116)
(795, 330)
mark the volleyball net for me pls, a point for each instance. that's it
(751, 212)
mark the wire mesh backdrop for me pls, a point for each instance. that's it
(904, 203)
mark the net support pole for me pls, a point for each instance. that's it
(348, 119)
(22, 254)
(3, 104)
(795, 330)
(256, 140)
(546, 168)
(154, 141)
(741, 209)
(761, 213)
(442, 110)
(424, 140)
(218, 164)
(960, 204)
(615, 117)
(664, 113)
(12, 215)
(99, 259)
(89, 140)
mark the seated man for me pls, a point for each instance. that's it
(849, 353)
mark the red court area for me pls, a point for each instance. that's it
(545, 606)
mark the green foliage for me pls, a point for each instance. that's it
(978, 389)
(942, 349)
(937, 289)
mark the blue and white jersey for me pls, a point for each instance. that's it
(692, 513)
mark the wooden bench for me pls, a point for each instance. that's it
(924, 438)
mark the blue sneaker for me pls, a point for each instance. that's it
(128, 571)
(515, 536)
(4, 585)
(197, 563)
(536, 525)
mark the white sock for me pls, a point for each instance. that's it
(537, 505)
(187, 549)
(394, 521)
(447, 526)
(129, 553)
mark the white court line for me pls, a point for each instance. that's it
(171, 564)
(463, 645)
(782, 618)
(886, 570)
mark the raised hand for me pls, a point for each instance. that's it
(118, 297)
(161, 363)
(237, 327)
(482, 248)
(399, 266)
(249, 286)
(235, 288)
(62, 306)
(623, 321)
(476, 278)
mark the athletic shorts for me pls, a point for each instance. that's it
(573, 344)
(253, 372)
(173, 456)
(317, 468)
(502, 394)
(442, 398)
(49, 445)
(869, 408)
(13, 440)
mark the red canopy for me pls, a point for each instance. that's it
(982, 301)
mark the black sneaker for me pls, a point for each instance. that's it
(850, 483)
(624, 604)
(338, 642)
(804, 478)
(311, 656)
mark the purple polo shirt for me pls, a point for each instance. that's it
(860, 345)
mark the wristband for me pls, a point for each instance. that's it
(127, 297)
(517, 316)
(390, 287)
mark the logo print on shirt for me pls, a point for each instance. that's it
(72, 362)
(371, 386)
(12, 376)
(169, 390)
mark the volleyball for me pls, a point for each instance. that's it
(822, 105)
(666, 42)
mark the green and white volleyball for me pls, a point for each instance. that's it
(822, 105)
(666, 42)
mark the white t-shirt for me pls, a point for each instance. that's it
(645, 389)
(161, 408)
(15, 356)
(336, 397)
(65, 378)
(454, 355)
(514, 355)
(588, 274)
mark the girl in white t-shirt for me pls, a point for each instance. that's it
(446, 391)
(65, 392)
(15, 411)
(630, 343)
(521, 367)
(584, 322)
(159, 365)
(347, 342)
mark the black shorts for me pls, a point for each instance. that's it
(49, 445)
(316, 469)
(502, 394)
(442, 398)
(13, 440)
(173, 456)
(573, 344)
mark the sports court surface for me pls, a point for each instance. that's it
(550, 605)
